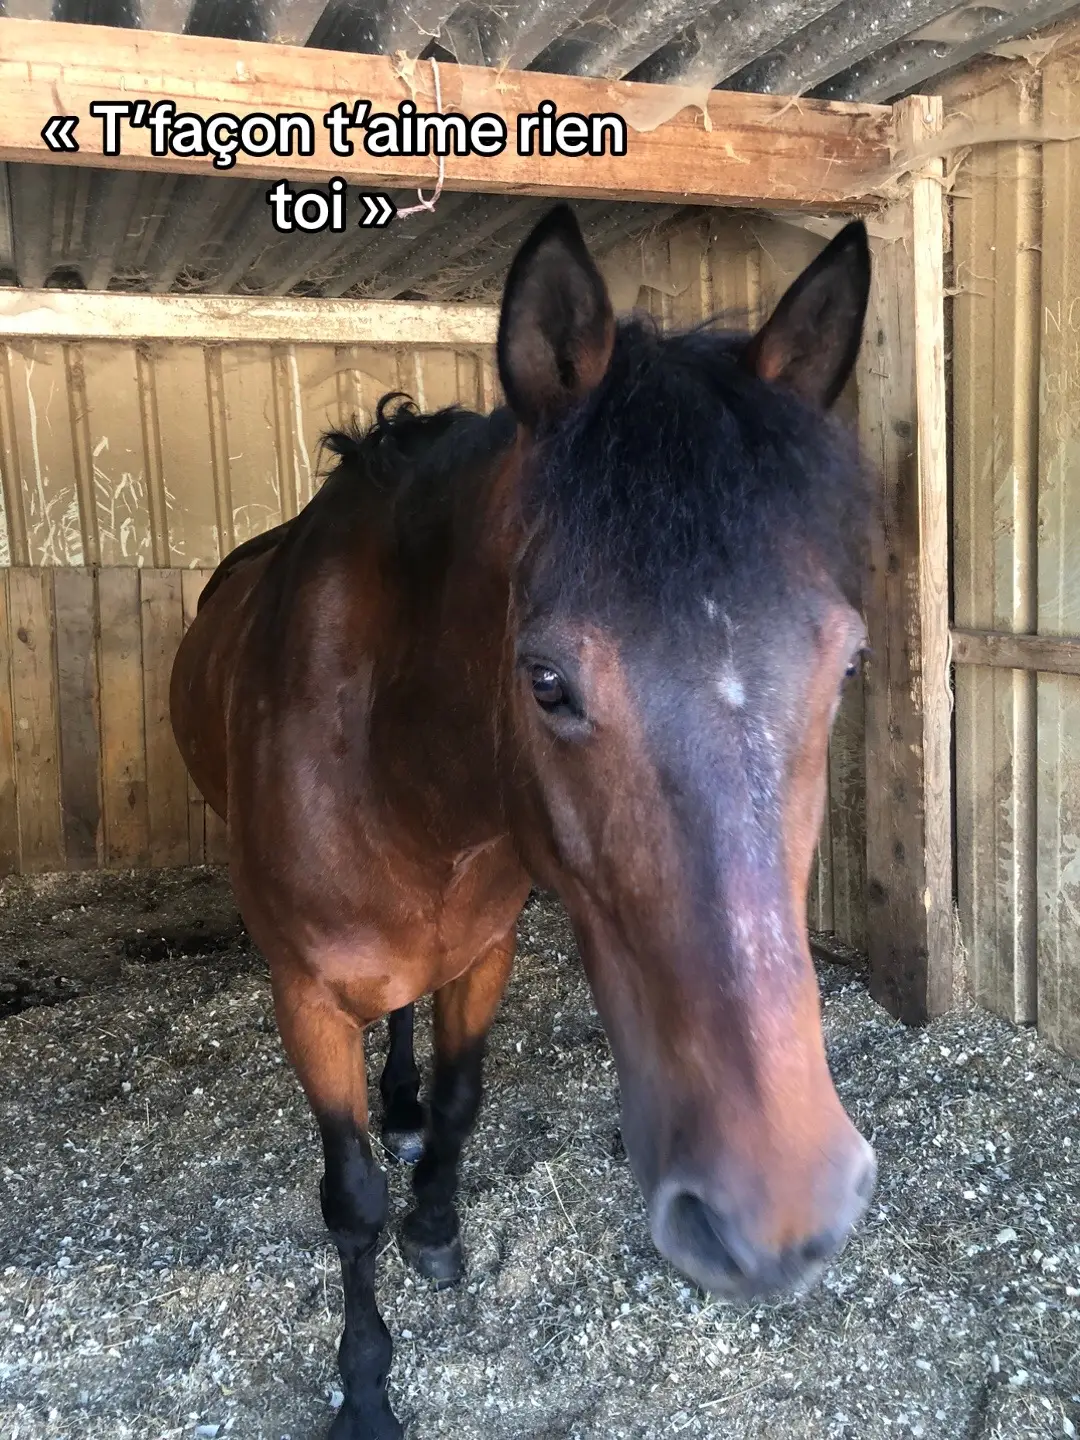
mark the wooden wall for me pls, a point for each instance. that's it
(89, 772)
(130, 469)
(169, 454)
(1016, 533)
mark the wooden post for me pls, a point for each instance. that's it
(908, 712)
(1057, 701)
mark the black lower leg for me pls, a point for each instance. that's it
(403, 1117)
(430, 1232)
(354, 1206)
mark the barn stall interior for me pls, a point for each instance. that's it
(169, 364)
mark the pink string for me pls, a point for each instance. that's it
(430, 204)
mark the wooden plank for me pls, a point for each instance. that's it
(162, 623)
(12, 483)
(191, 586)
(367, 375)
(470, 382)
(490, 387)
(735, 260)
(349, 407)
(157, 503)
(995, 315)
(310, 376)
(81, 451)
(294, 462)
(42, 422)
(1058, 993)
(188, 534)
(1058, 712)
(701, 147)
(1048, 654)
(33, 708)
(9, 815)
(221, 470)
(434, 378)
(123, 736)
(686, 247)
(75, 600)
(248, 469)
(119, 469)
(820, 896)
(902, 405)
(241, 319)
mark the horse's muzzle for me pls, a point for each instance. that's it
(713, 1242)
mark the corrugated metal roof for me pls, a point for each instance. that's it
(119, 230)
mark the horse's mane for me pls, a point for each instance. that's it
(415, 480)
(398, 430)
(682, 473)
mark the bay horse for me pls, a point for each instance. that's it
(596, 640)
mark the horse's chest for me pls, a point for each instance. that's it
(450, 913)
(484, 896)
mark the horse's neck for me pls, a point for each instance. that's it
(440, 693)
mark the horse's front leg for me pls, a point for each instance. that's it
(464, 1010)
(403, 1117)
(326, 1047)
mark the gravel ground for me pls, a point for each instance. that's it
(164, 1271)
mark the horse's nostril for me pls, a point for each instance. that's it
(694, 1228)
(817, 1250)
(864, 1187)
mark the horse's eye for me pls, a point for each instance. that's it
(547, 687)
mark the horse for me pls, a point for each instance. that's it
(594, 641)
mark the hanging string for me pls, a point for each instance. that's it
(430, 204)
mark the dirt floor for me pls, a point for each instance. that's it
(164, 1270)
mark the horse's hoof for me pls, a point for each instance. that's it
(404, 1146)
(443, 1264)
(348, 1425)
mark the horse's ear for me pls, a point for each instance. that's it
(557, 327)
(810, 341)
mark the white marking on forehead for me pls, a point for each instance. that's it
(711, 607)
(731, 688)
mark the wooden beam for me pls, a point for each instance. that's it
(1045, 654)
(1057, 716)
(698, 147)
(241, 319)
(908, 720)
(997, 396)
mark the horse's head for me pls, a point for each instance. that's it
(684, 615)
